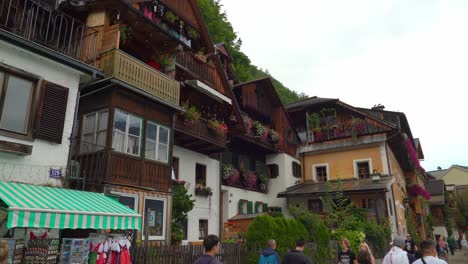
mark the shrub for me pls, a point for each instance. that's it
(285, 231)
(377, 236)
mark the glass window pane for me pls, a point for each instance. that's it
(162, 153)
(102, 120)
(101, 138)
(151, 131)
(88, 126)
(163, 135)
(120, 121)
(88, 138)
(156, 217)
(133, 145)
(15, 113)
(150, 150)
(118, 141)
(135, 126)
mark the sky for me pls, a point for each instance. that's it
(409, 55)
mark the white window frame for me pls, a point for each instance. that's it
(314, 171)
(355, 162)
(127, 128)
(96, 124)
(157, 142)
(163, 237)
(207, 227)
(131, 195)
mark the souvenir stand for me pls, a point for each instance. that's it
(31, 207)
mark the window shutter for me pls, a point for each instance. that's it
(265, 208)
(257, 207)
(51, 112)
(274, 170)
(250, 207)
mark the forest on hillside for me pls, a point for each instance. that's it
(221, 30)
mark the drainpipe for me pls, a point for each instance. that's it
(221, 208)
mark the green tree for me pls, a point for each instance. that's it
(462, 210)
(182, 203)
(221, 30)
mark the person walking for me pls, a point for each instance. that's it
(269, 255)
(409, 245)
(442, 246)
(459, 240)
(428, 248)
(396, 253)
(451, 244)
(212, 245)
(346, 256)
(297, 256)
(365, 255)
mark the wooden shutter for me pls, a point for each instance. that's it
(51, 112)
(250, 207)
(240, 207)
(274, 170)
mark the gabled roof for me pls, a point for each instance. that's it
(439, 174)
(347, 186)
(308, 102)
(223, 49)
(404, 124)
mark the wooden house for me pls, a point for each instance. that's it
(366, 149)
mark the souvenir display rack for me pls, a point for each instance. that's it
(41, 251)
(74, 251)
(15, 252)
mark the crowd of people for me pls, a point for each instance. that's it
(403, 251)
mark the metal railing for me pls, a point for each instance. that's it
(43, 24)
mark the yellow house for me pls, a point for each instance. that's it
(366, 149)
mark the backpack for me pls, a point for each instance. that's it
(267, 259)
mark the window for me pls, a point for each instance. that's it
(156, 217)
(315, 205)
(127, 133)
(259, 207)
(185, 229)
(203, 228)
(157, 142)
(16, 96)
(94, 131)
(129, 200)
(296, 169)
(242, 207)
(321, 173)
(200, 174)
(390, 206)
(175, 167)
(362, 168)
(364, 203)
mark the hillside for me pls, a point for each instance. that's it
(221, 30)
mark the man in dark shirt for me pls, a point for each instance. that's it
(212, 246)
(409, 245)
(297, 256)
(346, 256)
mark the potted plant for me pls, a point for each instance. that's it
(227, 171)
(170, 17)
(259, 129)
(263, 178)
(200, 56)
(192, 33)
(202, 190)
(124, 33)
(250, 178)
(217, 127)
(248, 123)
(191, 114)
(233, 177)
(274, 136)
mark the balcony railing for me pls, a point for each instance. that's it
(43, 24)
(118, 64)
(200, 130)
(204, 71)
(87, 165)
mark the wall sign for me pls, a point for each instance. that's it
(55, 173)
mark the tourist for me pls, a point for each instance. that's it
(269, 255)
(346, 256)
(464, 246)
(409, 245)
(297, 256)
(365, 255)
(396, 253)
(459, 240)
(428, 248)
(212, 245)
(451, 244)
(442, 247)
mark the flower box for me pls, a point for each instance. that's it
(201, 190)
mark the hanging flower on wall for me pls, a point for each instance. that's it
(413, 155)
(218, 127)
(418, 190)
(259, 129)
(274, 136)
(248, 123)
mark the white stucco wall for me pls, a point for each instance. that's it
(35, 168)
(236, 194)
(206, 208)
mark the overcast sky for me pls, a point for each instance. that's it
(409, 55)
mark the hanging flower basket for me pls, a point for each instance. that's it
(273, 136)
(217, 127)
(416, 190)
(259, 129)
(201, 190)
(250, 178)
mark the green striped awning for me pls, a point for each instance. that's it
(40, 206)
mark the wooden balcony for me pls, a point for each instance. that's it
(91, 166)
(199, 137)
(200, 70)
(118, 64)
